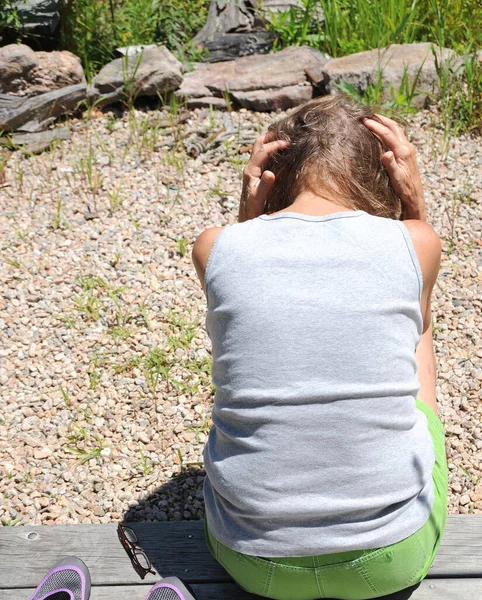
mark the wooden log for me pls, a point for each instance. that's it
(233, 45)
(41, 108)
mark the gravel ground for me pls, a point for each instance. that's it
(104, 362)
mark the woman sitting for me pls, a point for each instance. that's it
(326, 470)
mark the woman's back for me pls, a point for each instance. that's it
(317, 446)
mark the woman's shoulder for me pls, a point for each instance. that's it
(428, 247)
(202, 249)
(424, 238)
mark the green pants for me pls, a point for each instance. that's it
(354, 575)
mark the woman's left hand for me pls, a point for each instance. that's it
(256, 182)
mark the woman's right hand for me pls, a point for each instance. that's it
(401, 166)
(257, 183)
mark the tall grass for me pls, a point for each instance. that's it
(92, 29)
(356, 25)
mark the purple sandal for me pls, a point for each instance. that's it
(171, 588)
(68, 579)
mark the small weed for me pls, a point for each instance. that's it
(144, 466)
(58, 220)
(132, 363)
(97, 452)
(135, 223)
(121, 332)
(13, 262)
(22, 235)
(116, 199)
(182, 244)
(200, 366)
(217, 190)
(203, 428)
(228, 100)
(181, 459)
(65, 396)
(115, 261)
(94, 379)
(186, 388)
(78, 434)
(88, 305)
(99, 360)
(4, 158)
(88, 171)
(156, 365)
(11, 522)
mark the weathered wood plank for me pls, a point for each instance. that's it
(178, 549)
(430, 589)
(42, 107)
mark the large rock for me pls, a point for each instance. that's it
(262, 82)
(38, 16)
(147, 73)
(364, 68)
(24, 72)
(16, 63)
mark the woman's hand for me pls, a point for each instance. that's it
(401, 166)
(256, 183)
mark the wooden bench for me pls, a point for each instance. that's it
(27, 553)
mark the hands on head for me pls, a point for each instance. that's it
(399, 162)
(401, 165)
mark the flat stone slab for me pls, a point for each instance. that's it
(147, 73)
(262, 75)
(364, 68)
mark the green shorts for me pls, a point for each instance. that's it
(354, 575)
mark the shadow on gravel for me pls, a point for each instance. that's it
(179, 499)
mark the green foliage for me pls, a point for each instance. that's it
(299, 26)
(92, 29)
(9, 21)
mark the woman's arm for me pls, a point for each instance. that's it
(428, 247)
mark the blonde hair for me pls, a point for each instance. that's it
(331, 151)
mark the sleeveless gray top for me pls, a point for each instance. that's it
(317, 445)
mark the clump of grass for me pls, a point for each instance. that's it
(98, 451)
(182, 244)
(144, 465)
(156, 365)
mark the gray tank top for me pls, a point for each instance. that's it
(316, 445)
